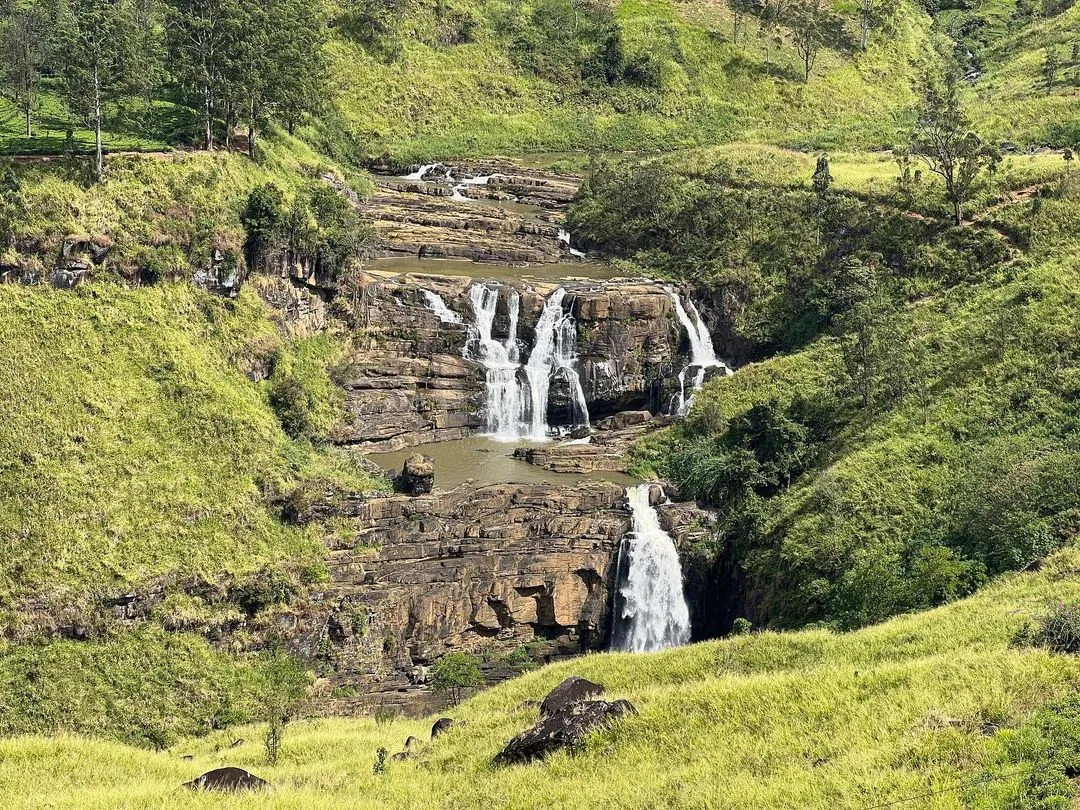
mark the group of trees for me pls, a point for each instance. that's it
(809, 25)
(230, 62)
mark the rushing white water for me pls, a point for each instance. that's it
(564, 237)
(419, 173)
(651, 610)
(436, 304)
(472, 181)
(702, 354)
(516, 395)
(501, 365)
(554, 354)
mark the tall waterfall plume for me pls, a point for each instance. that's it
(702, 354)
(553, 355)
(650, 608)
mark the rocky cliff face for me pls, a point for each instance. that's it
(485, 569)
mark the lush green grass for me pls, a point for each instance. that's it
(471, 99)
(133, 445)
(933, 701)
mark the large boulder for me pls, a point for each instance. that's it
(565, 730)
(572, 690)
(417, 475)
(228, 780)
(625, 419)
(442, 725)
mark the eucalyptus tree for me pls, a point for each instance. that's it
(23, 52)
(99, 60)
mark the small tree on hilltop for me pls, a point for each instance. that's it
(945, 142)
(814, 26)
(454, 674)
(1051, 65)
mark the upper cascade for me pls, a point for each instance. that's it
(651, 613)
(517, 395)
(702, 354)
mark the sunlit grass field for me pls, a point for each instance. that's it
(925, 702)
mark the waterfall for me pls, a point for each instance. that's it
(702, 354)
(464, 184)
(501, 365)
(650, 609)
(564, 237)
(554, 354)
(423, 170)
(436, 304)
(517, 395)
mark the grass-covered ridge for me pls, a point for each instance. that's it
(940, 702)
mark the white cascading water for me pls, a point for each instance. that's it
(501, 364)
(554, 353)
(651, 610)
(564, 237)
(702, 354)
(464, 184)
(437, 305)
(516, 402)
(423, 170)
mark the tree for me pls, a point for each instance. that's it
(299, 67)
(23, 51)
(822, 180)
(813, 26)
(454, 674)
(283, 691)
(945, 142)
(739, 11)
(95, 40)
(1051, 65)
(198, 37)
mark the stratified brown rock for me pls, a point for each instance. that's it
(625, 419)
(573, 690)
(227, 780)
(564, 730)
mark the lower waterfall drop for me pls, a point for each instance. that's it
(651, 613)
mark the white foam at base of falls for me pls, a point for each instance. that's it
(437, 305)
(652, 613)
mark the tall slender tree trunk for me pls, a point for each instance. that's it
(97, 127)
(251, 130)
(865, 28)
(958, 211)
(29, 124)
(208, 115)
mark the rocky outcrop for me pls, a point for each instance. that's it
(227, 780)
(417, 475)
(605, 450)
(429, 218)
(573, 690)
(564, 730)
(486, 568)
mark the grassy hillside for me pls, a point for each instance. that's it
(940, 702)
(434, 99)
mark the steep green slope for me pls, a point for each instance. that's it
(689, 83)
(939, 702)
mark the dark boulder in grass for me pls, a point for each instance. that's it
(442, 725)
(565, 730)
(572, 690)
(227, 780)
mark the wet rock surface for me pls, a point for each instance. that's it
(417, 475)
